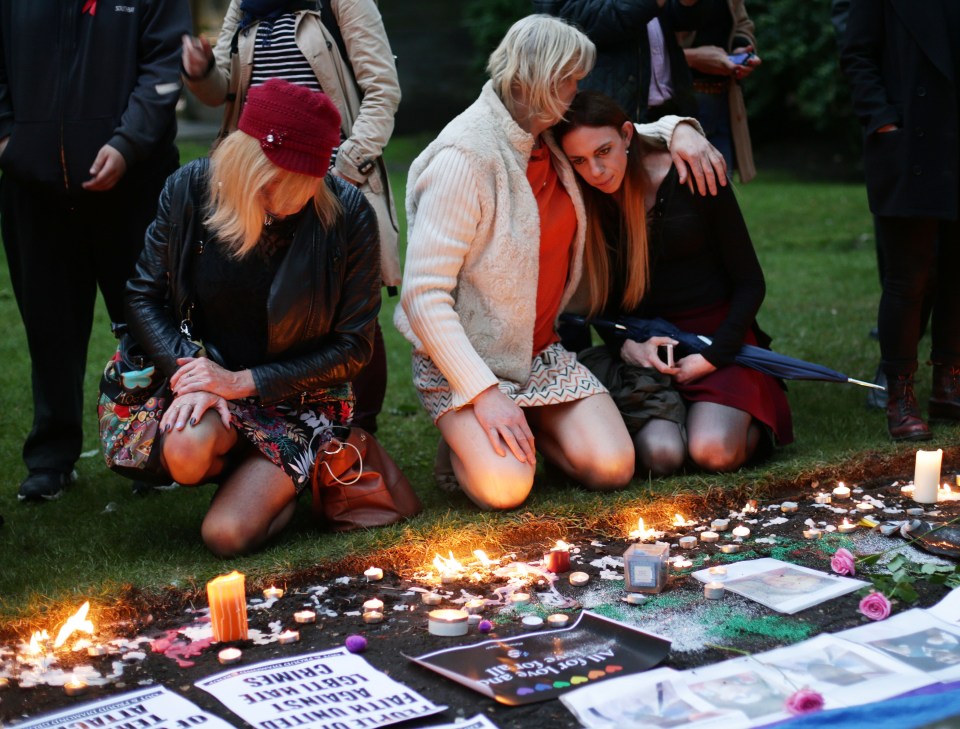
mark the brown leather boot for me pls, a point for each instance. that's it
(945, 398)
(903, 413)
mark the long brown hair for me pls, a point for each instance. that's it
(593, 109)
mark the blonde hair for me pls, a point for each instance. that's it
(625, 207)
(239, 171)
(538, 53)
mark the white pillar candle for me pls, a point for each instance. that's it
(926, 476)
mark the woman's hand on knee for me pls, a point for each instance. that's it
(199, 374)
(188, 409)
(504, 422)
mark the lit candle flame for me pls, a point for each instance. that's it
(678, 520)
(641, 532)
(77, 621)
(562, 545)
(447, 565)
(482, 557)
(749, 508)
(37, 640)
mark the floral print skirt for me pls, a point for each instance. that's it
(290, 435)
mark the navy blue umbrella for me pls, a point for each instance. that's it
(757, 358)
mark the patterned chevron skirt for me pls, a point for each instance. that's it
(555, 377)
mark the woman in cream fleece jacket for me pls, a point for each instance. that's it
(485, 279)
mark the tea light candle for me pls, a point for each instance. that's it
(373, 574)
(474, 619)
(865, 506)
(741, 531)
(229, 655)
(557, 560)
(812, 533)
(305, 616)
(578, 579)
(687, 542)
(709, 537)
(447, 623)
(788, 507)
(846, 527)
(682, 564)
(713, 590)
(520, 598)
(718, 571)
(635, 598)
(273, 593)
(558, 620)
(430, 598)
(926, 476)
(822, 498)
(96, 650)
(842, 491)
(289, 636)
(474, 607)
(532, 622)
(915, 511)
(372, 616)
(907, 490)
(228, 607)
(720, 525)
(373, 605)
(729, 548)
(75, 687)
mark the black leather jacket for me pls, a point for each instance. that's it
(323, 303)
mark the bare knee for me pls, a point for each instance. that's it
(660, 458)
(717, 454)
(227, 536)
(603, 470)
(189, 455)
(495, 486)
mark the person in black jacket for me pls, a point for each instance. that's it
(87, 126)
(639, 61)
(903, 64)
(276, 263)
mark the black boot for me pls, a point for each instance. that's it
(903, 413)
(945, 398)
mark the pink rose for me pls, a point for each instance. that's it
(843, 563)
(875, 606)
(804, 701)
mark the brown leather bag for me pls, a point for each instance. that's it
(357, 485)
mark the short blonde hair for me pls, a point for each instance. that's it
(239, 171)
(538, 53)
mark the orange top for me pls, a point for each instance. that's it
(558, 226)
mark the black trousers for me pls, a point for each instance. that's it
(370, 386)
(915, 252)
(60, 250)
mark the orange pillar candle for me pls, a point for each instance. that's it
(228, 607)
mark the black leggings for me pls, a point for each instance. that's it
(915, 250)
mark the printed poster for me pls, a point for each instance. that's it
(156, 707)
(543, 665)
(332, 688)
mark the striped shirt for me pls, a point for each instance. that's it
(276, 55)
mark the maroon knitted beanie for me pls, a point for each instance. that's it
(297, 128)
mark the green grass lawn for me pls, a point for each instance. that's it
(815, 242)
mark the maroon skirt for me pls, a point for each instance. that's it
(735, 386)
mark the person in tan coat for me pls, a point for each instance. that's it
(341, 48)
